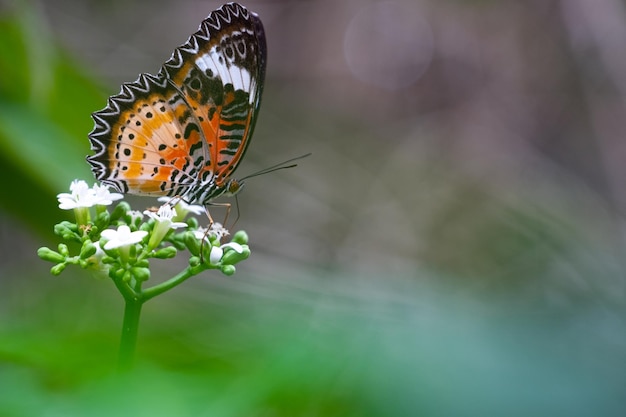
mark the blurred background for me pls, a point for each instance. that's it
(454, 246)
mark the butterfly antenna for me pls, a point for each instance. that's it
(282, 165)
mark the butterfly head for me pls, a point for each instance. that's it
(233, 187)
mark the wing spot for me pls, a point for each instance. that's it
(162, 147)
(195, 84)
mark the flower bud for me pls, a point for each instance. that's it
(192, 243)
(63, 250)
(65, 228)
(120, 210)
(192, 222)
(231, 256)
(166, 253)
(144, 263)
(103, 220)
(57, 269)
(48, 254)
(88, 249)
(240, 237)
(228, 270)
(140, 274)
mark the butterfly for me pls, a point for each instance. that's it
(183, 132)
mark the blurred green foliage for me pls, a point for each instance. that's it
(45, 103)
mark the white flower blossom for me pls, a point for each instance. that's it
(182, 207)
(122, 237)
(80, 196)
(216, 230)
(164, 223)
(103, 196)
(164, 215)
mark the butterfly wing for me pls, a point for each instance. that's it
(184, 131)
(220, 71)
(146, 141)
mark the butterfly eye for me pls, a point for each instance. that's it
(233, 187)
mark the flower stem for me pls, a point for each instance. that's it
(182, 276)
(130, 327)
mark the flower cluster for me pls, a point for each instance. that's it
(122, 241)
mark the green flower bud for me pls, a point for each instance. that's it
(103, 220)
(166, 253)
(240, 237)
(108, 260)
(49, 255)
(178, 240)
(88, 249)
(192, 243)
(63, 250)
(120, 210)
(144, 263)
(192, 222)
(67, 230)
(117, 273)
(126, 276)
(206, 250)
(228, 270)
(140, 274)
(231, 256)
(57, 269)
(194, 261)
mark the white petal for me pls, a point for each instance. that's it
(236, 246)
(216, 254)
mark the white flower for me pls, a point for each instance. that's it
(164, 223)
(122, 237)
(216, 230)
(103, 196)
(164, 215)
(183, 207)
(218, 251)
(81, 196)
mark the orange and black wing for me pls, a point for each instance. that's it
(184, 131)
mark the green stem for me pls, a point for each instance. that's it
(130, 327)
(188, 272)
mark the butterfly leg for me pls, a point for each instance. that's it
(211, 223)
(227, 205)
